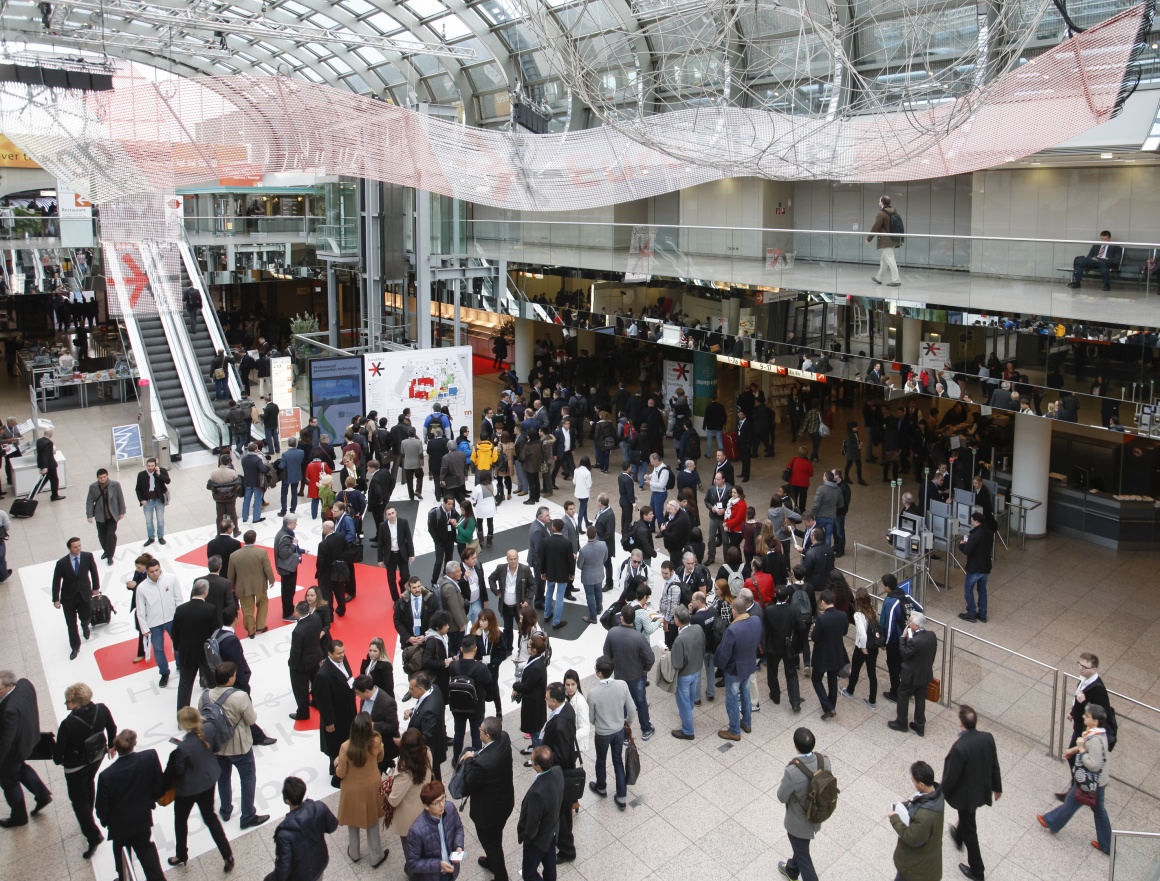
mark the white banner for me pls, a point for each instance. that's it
(933, 356)
(282, 382)
(395, 381)
(677, 375)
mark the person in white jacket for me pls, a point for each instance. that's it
(157, 598)
(483, 503)
(582, 483)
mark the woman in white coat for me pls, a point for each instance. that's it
(483, 502)
(582, 483)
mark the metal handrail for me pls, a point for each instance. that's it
(1126, 833)
(837, 232)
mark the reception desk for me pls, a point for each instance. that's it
(1102, 519)
(25, 474)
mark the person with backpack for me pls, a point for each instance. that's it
(194, 622)
(235, 748)
(467, 691)
(868, 638)
(782, 645)
(887, 221)
(810, 793)
(192, 773)
(84, 739)
(896, 609)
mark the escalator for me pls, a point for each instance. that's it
(166, 381)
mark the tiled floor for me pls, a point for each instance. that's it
(1049, 602)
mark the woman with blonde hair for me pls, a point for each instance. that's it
(359, 804)
(193, 773)
(80, 759)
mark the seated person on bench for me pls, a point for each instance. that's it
(1103, 257)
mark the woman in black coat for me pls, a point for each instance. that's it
(85, 719)
(435, 655)
(194, 771)
(378, 666)
(491, 652)
(531, 688)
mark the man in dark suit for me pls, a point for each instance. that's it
(384, 713)
(334, 699)
(396, 549)
(19, 734)
(1103, 257)
(560, 738)
(829, 655)
(224, 543)
(781, 638)
(230, 648)
(513, 583)
(127, 792)
(540, 815)
(538, 535)
(1091, 690)
(221, 592)
(969, 780)
(413, 612)
(380, 486)
(74, 581)
(605, 525)
(46, 462)
(332, 548)
(427, 716)
(193, 623)
(441, 523)
(559, 567)
(305, 656)
(818, 561)
(918, 647)
(488, 780)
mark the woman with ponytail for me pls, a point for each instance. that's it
(193, 773)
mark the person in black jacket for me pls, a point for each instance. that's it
(334, 700)
(396, 549)
(540, 815)
(829, 653)
(428, 717)
(19, 734)
(977, 546)
(441, 523)
(384, 713)
(642, 534)
(488, 781)
(605, 525)
(1091, 690)
(559, 568)
(81, 759)
(331, 549)
(127, 792)
(231, 651)
(560, 738)
(193, 771)
(305, 657)
(918, 647)
(675, 531)
(221, 592)
(46, 462)
(781, 638)
(300, 851)
(466, 665)
(194, 622)
(969, 780)
(224, 543)
(409, 625)
(74, 581)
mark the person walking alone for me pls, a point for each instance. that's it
(970, 779)
(105, 504)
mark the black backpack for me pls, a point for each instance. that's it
(671, 481)
(611, 615)
(897, 228)
(462, 695)
(875, 635)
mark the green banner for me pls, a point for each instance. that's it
(704, 381)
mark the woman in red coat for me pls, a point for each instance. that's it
(315, 472)
(735, 512)
(801, 470)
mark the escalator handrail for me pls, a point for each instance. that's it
(209, 314)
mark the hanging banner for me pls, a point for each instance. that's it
(420, 380)
(704, 381)
(282, 382)
(677, 375)
(640, 254)
(933, 356)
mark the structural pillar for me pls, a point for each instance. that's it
(332, 303)
(910, 346)
(1029, 467)
(525, 347)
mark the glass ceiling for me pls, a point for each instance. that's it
(768, 51)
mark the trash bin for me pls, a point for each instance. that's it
(161, 451)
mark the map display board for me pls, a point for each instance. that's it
(395, 381)
(336, 393)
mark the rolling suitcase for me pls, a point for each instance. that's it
(103, 610)
(731, 445)
(26, 507)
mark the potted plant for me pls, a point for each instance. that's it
(305, 325)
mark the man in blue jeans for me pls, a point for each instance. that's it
(153, 494)
(559, 567)
(238, 751)
(632, 657)
(977, 546)
(737, 657)
(254, 468)
(611, 707)
(688, 656)
(158, 597)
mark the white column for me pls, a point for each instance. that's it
(525, 345)
(1029, 467)
(331, 304)
(911, 342)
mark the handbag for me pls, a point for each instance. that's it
(168, 796)
(43, 750)
(1086, 784)
(384, 793)
(455, 785)
(631, 758)
(219, 373)
(575, 779)
(934, 691)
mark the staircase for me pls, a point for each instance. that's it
(166, 383)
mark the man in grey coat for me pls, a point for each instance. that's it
(287, 557)
(793, 791)
(451, 598)
(687, 657)
(453, 474)
(538, 534)
(591, 562)
(105, 504)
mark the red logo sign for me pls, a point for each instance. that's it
(135, 279)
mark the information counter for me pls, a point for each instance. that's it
(1125, 522)
(25, 474)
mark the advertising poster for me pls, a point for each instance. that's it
(640, 254)
(282, 382)
(396, 381)
(704, 381)
(336, 393)
(289, 422)
(677, 375)
(933, 356)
